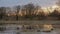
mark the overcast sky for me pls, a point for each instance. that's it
(42, 3)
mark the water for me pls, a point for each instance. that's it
(11, 29)
(14, 32)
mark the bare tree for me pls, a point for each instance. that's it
(2, 12)
(17, 12)
(29, 9)
(40, 13)
(55, 13)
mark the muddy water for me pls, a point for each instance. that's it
(12, 30)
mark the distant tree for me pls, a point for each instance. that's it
(17, 12)
(55, 13)
(40, 13)
(23, 11)
(29, 10)
(2, 12)
(38, 10)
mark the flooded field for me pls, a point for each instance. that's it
(11, 27)
(57, 31)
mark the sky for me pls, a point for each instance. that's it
(43, 3)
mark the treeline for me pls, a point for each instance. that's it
(27, 12)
